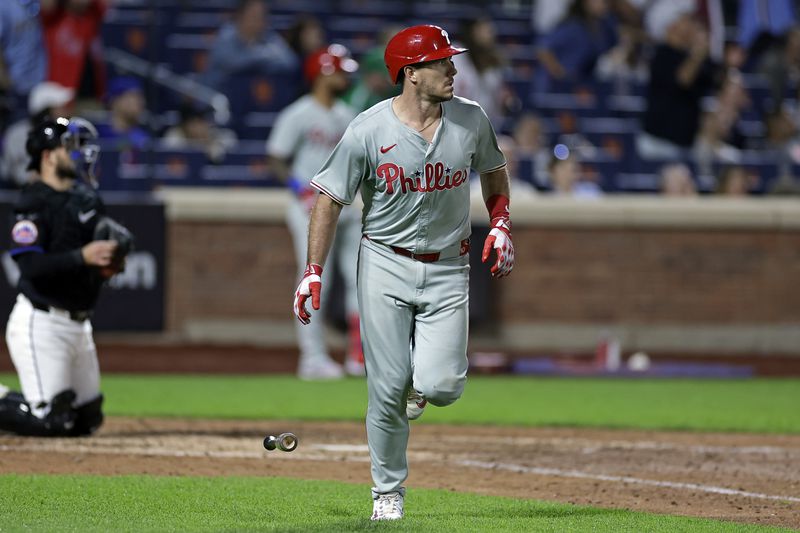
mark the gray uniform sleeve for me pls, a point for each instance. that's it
(341, 175)
(487, 155)
(285, 136)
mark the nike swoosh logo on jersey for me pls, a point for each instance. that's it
(384, 150)
(85, 217)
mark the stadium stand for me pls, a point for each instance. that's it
(172, 39)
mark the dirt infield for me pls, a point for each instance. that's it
(743, 478)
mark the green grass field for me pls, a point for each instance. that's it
(146, 503)
(142, 503)
(758, 405)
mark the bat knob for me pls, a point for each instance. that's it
(287, 442)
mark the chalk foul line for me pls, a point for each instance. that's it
(328, 449)
(557, 472)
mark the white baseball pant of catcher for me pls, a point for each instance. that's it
(52, 353)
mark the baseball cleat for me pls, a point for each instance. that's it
(354, 368)
(387, 506)
(324, 369)
(415, 405)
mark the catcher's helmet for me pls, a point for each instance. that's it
(77, 135)
(44, 136)
(417, 44)
(328, 60)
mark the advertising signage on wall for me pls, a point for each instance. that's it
(134, 299)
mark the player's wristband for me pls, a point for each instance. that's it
(313, 268)
(497, 204)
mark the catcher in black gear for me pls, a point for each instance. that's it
(66, 249)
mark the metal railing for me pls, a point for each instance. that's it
(163, 76)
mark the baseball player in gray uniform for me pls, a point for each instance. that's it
(410, 157)
(301, 140)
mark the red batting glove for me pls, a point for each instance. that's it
(499, 237)
(310, 285)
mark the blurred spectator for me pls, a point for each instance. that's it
(197, 131)
(47, 99)
(783, 137)
(480, 72)
(780, 66)
(712, 14)
(719, 138)
(781, 130)
(676, 180)
(626, 61)
(732, 95)
(519, 187)
(566, 178)
(681, 73)
(569, 53)
(74, 48)
(548, 13)
(126, 105)
(734, 56)
(532, 146)
(373, 83)
(21, 48)
(733, 180)
(710, 145)
(305, 36)
(760, 22)
(248, 44)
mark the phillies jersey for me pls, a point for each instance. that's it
(306, 132)
(415, 193)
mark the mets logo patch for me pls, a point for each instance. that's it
(24, 232)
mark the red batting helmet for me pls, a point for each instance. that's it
(417, 44)
(328, 60)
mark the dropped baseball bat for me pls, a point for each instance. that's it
(286, 442)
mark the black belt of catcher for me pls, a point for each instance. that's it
(77, 316)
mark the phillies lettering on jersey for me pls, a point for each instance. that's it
(437, 178)
(324, 138)
(416, 194)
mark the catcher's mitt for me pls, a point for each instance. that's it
(108, 229)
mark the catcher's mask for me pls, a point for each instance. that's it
(80, 140)
(417, 44)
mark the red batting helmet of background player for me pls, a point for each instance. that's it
(417, 44)
(328, 60)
